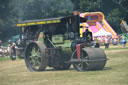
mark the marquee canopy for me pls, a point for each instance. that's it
(102, 32)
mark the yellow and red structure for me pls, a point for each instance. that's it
(95, 22)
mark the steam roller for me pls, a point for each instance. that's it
(88, 59)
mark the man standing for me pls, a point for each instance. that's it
(124, 40)
(88, 35)
(106, 42)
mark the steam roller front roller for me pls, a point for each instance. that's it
(90, 59)
(35, 58)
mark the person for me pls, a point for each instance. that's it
(120, 39)
(1, 51)
(0, 42)
(97, 43)
(106, 42)
(114, 41)
(124, 40)
(88, 35)
(9, 46)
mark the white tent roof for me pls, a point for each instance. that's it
(102, 32)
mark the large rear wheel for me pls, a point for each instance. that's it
(35, 58)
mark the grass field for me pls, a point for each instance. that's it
(114, 73)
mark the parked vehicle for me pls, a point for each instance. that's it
(15, 48)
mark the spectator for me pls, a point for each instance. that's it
(124, 40)
(0, 42)
(120, 39)
(106, 42)
(9, 46)
(97, 43)
(114, 41)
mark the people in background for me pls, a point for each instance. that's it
(1, 50)
(0, 42)
(97, 42)
(9, 46)
(106, 42)
(124, 40)
(114, 41)
(120, 40)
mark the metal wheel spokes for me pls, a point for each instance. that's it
(85, 56)
(82, 65)
(35, 57)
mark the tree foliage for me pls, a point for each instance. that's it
(13, 11)
(36, 9)
(5, 19)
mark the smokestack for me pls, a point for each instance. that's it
(76, 21)
(76, 13)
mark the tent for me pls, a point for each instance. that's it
(102, 32)
(14, 38)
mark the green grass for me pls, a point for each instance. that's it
(4, 58)
(116, 48)
(114, 73)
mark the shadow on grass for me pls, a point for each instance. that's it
(105, 68)
(72, 69)
(52, 69)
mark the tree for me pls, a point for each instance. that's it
(114, 18)
(76, 5)
(13, 11)
(4, 19)
(90, 5)
(37, 9)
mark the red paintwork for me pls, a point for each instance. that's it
(78, 50)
